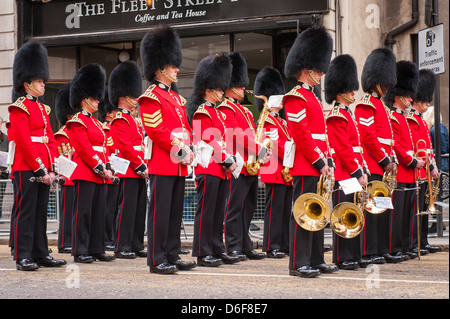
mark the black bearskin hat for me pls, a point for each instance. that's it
(213, 72)
(426, 86)
(160, 47)
(379, 68)
(105, 107)
(407, 80)
(239, 75)
(30, 63)
(268, 82)
(342, 77)
(62, 105)
(125, 80)
(89, 81)
(311, 50)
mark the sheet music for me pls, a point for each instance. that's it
(65, 166)
(120, 165)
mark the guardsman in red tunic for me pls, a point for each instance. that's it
(420, 132)
(307, 61)
(212, 179)
(278, 183)
(124, 88)
(164, 118)
(377, 140)
(64, 113)
(35, 151)
(240, 135)
(88, 139)
(399, 98)
(341, 82)
(106, 112)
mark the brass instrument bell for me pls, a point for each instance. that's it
(347, 220)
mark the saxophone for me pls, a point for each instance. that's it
(253, 164)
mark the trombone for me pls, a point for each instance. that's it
(312, 211)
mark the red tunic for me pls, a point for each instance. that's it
(35, 142)
(89, 143)
(403, 147)
(277, 130)
(345, 143)
(307, 123)
(129, 141)
(208, 125)
(419, 131)
(63, 147)
(165, 122)
(376, 133)
(240, 130)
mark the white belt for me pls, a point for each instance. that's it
(39, 139)
(321, 137)
(138, 147)
(386, 141)
(356, 149)
(100, 149)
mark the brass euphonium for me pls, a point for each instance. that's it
(253, 164)
(374, 189)
(312, 211)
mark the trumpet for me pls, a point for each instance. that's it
(253, 164)
(312, 211)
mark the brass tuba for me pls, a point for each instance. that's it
(253, 164)
(312, 211)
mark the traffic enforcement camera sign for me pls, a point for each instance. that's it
(431, 49)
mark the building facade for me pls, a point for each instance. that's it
(109, 31)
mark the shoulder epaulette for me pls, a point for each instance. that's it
(270, 121)
(183, 100)
(411, 117)
(336, 112)
(48, 109)
(392, 117)
(119, 116)
(202, 110)
(62, 132)
(366, 100)
(225, 104)
(19, 104)
(149, 93)
(294, 92)
(76, 119)
(105, 127)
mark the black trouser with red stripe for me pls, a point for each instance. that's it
(165, 214)
(212, 193)
(239, 211)
(30, 226)
(88, 220)
(13, 214)
(276, 216)
(344, 249)
(65, 216)
(401, 218)
(305, 247)
(131, 217)
(423, 219)
(112, 199)
(375, 235)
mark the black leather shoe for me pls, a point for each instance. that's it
(141, 253)
(423, 252)
(65, 250)
(184, 251)
(348, 265)
(364, 261)
(26, 264)
(184, 265)
(209, 261)
(110, 247)
(48, 261)
(305, 272)
(392, 259)
(255, 255)
(376, 259)
(227, 259)
(85, 259)
(125, 254)
(326, 269)
(164, 268)
(239, 254)
(433, 249)
(104, 257)
(402, 255)
(275, 254)
(411, 254)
